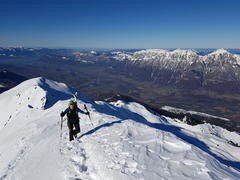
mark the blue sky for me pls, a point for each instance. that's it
(120, 23)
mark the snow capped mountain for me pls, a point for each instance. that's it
(126, 142)
(180, 66)
(157, 54)
(93, 52)
(219, 52)
(238, 59)
(17, 51)
(20, 51)
(158, 58)
(153, 52)
(222, 56)
(218, 55)
(178, 54)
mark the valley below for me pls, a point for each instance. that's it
(101, 76)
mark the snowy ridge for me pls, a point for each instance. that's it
(126, 142)
(44, 89)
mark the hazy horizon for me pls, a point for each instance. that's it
(89, 48)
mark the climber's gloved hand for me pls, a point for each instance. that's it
(62, 114)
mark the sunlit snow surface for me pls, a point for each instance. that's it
(126, 142)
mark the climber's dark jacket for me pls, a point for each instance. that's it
(72, 115)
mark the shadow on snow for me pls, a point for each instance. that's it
(124, 115)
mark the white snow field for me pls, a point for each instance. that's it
(127, 141)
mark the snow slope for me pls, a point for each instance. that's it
(126, 142)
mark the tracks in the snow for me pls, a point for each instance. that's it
(76, 159)
(23, 149)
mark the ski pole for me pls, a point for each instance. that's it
(61, 127)
(61, 133)
(6, 123)
(85, 107)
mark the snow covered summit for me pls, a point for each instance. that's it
(37, 93)
(219, 51)
(126, 142)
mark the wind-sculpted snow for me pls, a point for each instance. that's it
(126, 142)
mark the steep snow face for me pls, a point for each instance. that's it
(126, 142)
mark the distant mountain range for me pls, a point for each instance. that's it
(23, 51)
(185, 67)
(217, 70)
(18, 51)
(205, 80)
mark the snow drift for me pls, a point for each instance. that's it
(126, 142)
